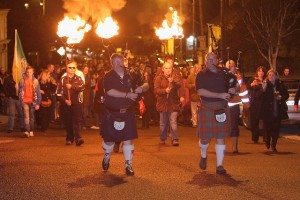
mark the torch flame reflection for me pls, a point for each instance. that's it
(73, 29)
(173, 31)
(107, 29)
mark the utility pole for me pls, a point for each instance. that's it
(180, 13)
(222, 29)
(194, 48)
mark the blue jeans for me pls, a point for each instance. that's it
(168, 119)
(13, 105)
(28, 116)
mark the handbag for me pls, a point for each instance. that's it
(46, 104)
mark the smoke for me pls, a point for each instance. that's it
(95, 10)
(154, 11)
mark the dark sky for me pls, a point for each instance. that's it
(136, 18)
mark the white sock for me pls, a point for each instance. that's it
(128, 153)
(203, 148)
(107, 149)
(220, 151)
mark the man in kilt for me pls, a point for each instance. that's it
(118, 121)
(213, 114)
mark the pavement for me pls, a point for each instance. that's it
(43, 167)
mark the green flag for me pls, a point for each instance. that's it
(20, 62)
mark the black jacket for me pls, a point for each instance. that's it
(9, 87)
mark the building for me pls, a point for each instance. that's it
(3, 38)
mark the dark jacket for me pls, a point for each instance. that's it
(9, 87)
(274, 108)
(48, 89)
(171, 102)
(75, 92)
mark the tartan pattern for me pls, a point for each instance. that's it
(208, 127)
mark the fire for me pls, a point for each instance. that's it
(173, 31)
(107, 29)
(73, 29)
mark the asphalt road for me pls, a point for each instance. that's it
(43, 167)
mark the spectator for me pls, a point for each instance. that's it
(48, 87)
(286, 72)
(275, 96)
(69, 89)
(195, 99)
(166, 86)
(296, 100)
(3, 99)
(30, 97)
(255, 89)
(10, 90)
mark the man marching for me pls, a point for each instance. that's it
(118, 122)
(213, 113)
(69, 91)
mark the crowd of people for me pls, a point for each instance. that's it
(110, 95)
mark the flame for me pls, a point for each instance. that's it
(173, 31)
(73, 29)
(107, 29)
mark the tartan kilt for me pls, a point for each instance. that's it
(208, 127)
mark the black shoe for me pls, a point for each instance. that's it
(268, 146)
(105, 163)
(129, 170)
(9, 131)
(274, 149)
(220, 170)
(235, 151)
(79, 142)
(202, 163)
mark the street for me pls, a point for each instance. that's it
(43, 167)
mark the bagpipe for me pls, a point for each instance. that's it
(230, 78)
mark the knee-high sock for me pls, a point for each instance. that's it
(128, 153)
(220, 151)
(107, 149)
(203, 148)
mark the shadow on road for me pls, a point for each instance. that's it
(105, 179)
(270, 153)
(206, 180)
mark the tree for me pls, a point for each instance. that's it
(269, 23)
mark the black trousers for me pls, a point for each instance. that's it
(254, 120)
(73, 119)
(235, 117)
(272, 128)
(44, 117)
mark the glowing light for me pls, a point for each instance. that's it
(107, 29)
(73, 29)
(174, 30)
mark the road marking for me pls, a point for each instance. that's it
(6, 141)
(292, 137)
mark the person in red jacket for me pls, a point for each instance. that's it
(166, 86)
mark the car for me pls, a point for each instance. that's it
(291, 83)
